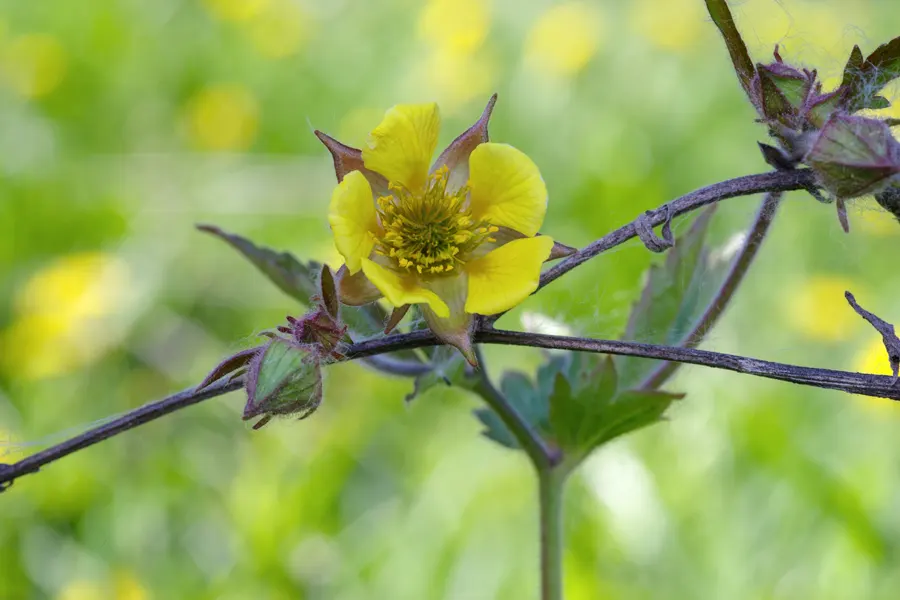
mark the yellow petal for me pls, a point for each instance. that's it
(507, 188)
(353, 219)
(400, 290)
(400, 148)
(507, 275)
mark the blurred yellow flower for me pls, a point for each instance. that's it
(129, 587)
(11, 448)
(873, 359)
(876, 221)
(33, 65)
(279, 30)
(59, 313)
(235, 10)
(672, 25)
(818, 309)
(813, 25)
(125, 586)
(355, 126)
(455, 26)
(564, 39)
(457, 78)
(82, 589)
(223, 117)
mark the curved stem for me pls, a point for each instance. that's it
(879, 386)
(130, 420)
(739, 267)
(775, 181)
(541, 455)
(397, 366)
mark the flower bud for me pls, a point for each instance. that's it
(284, 379)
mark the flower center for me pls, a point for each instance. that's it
(430, 232)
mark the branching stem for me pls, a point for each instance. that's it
(739, 267)
(542, 455)
(879, 386)
(778, 181)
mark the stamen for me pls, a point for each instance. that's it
(432, 231)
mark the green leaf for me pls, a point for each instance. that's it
(670, 301)
(587, 409)
(301, 281)
(578, 405)
(740, 58)
(853, 68)
(530, 399)
(633, 410)
(494, 428)
(883, 65)
(854, 156)
(863, 79)
(294, 278)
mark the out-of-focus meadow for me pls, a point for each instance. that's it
(123, 123)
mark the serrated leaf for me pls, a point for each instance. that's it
(528, 400)
(669, 301)
(578, 405)
(740, 58)
(633, 410)
(854, 156)
(494, 428)
(294, 278)
(587, 409)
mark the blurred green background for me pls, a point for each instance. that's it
(125, 122)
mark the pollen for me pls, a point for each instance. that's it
(429, 232)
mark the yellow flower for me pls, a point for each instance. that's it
(458, 238)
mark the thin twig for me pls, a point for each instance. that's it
(752, 184)
(130, 420)
(397, 366)
(775, 181)
(726, 291)
(855, 383)
(879, 386)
